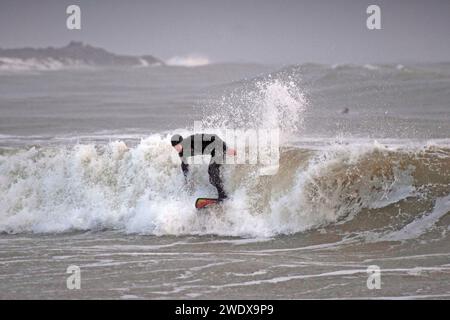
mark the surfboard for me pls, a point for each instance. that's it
(201, 203)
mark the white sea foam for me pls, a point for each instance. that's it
(193, 60)
(420, 225)
(33, 64)
(271, 103)
(370, 67)
(140, 190)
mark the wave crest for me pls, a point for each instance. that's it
(140, 190)
(188, 61)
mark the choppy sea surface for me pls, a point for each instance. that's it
(88, 179)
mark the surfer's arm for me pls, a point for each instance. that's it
(227, 150)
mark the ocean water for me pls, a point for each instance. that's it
(87, 178)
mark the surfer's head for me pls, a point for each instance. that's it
(176, 139)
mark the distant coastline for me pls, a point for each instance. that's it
(75, 54)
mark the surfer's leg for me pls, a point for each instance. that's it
(216, 180)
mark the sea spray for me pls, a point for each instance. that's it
(140, 190)
(268, 104)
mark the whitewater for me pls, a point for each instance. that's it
(88, 177)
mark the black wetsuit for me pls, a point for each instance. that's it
(206, 144)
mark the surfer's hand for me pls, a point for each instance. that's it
(231, 152)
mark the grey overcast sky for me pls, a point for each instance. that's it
(267, 31)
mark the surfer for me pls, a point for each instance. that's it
(204, 144)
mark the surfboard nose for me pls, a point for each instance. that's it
(203, 202)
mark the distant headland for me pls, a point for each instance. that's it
(72, 55)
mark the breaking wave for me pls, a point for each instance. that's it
(140, 190)
(188, 61)
(368, 188)
(48, 64)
